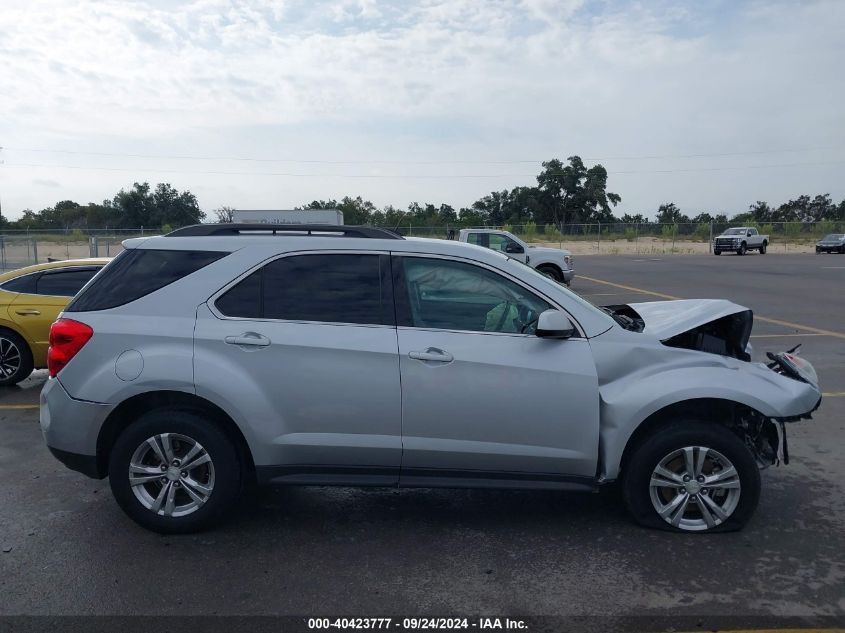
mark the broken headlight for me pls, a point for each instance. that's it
(792, 365)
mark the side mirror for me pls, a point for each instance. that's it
(514, 249)
(554, 324)
(748, 234)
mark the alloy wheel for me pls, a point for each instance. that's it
(695, 488)
(171, 474)
(10, 358)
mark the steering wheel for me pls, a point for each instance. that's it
(527, 318)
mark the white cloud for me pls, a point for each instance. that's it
(366, 80)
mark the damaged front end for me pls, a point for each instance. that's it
(723, 328)
(764, 437)
(703, 325)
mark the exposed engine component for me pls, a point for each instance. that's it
(765, 438)
(727, 336)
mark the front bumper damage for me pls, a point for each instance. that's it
(776, 448)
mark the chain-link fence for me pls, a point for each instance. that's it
(20, 248)
(650, 238)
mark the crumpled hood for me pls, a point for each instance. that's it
(665, 319)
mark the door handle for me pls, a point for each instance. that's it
(28, 312)
(432, 354)
(248, 339)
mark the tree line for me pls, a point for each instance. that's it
(565, 193)
(140, 206)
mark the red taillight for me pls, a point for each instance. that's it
(66, 339)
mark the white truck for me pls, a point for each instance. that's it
(288, 216)
(557, 263)
(740, 240)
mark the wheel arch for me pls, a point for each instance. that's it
(547, 265)
(11, 326)
(132, 408)
(720, 411)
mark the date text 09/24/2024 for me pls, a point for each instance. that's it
(485, 623)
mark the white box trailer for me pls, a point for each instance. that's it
(288, 216)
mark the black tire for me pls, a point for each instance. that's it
(717, 252)
(551, 271)
(227, 470)
(763, 248)
(742, 250)
(684, 433)
(15, 350)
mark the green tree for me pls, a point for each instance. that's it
(225, 215)
(669, 213)
(761, 211)
(573, 193)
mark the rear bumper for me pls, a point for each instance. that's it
(71, 427)
(85, 464)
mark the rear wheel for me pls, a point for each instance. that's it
(551, 271)
(15, 358)
(692, 477)
(717, 252)
(763, 248)
(173, 472)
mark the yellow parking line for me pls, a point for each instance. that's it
(15, 407)
(802, 335)
(834, 394)
(631, 288)
(795, 326)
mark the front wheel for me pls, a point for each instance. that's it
(742, 249)
(717, 252)
(692, 477)
(173, 471)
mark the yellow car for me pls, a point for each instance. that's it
(30, 300)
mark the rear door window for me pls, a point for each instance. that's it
(136, 273)
(328, 288)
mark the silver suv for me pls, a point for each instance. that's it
(217, 355)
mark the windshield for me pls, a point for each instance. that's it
(734, 232)
(833, 237)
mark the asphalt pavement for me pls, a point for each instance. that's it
(66, 548)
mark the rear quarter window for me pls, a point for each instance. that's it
(138, 272)
(64, 282)
(24, 284)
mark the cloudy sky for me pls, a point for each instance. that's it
(272, 103)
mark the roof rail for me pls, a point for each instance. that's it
(207, 230)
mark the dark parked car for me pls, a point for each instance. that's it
(832, 243)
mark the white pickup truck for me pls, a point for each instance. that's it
(740, 240)
(555, 262)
